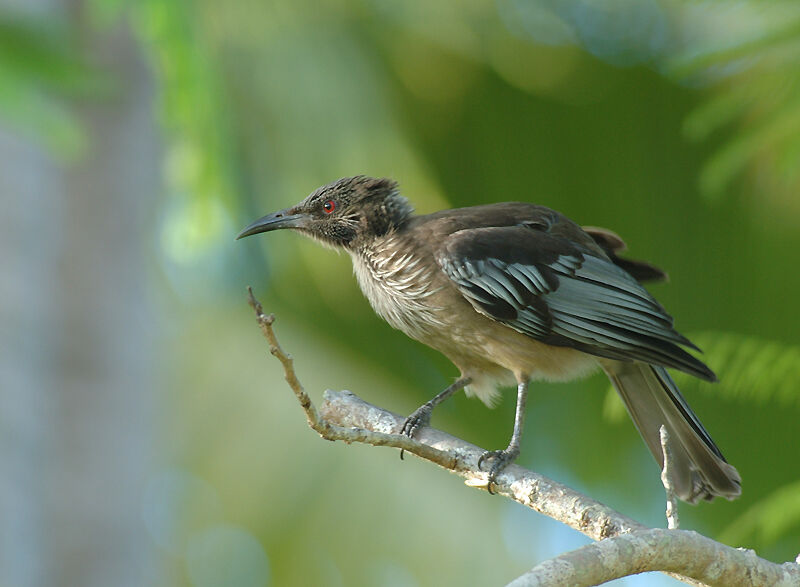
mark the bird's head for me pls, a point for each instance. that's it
(344, 213)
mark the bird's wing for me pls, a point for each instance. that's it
(611, 243)
(552, 289)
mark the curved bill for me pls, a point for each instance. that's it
(274, 221)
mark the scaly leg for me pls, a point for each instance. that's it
(502, 458)
(422, 415)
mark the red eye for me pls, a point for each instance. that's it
(329, 206)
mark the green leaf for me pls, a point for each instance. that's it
(751, 368)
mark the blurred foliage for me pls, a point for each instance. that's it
(40, 67)
(768, 520)
(755, 370)
(198, 157)
(757, 77)
(582, 106)
(199, 160)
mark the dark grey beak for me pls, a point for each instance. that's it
(274, 221)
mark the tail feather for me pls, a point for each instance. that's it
(652, 399)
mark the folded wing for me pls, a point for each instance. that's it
(554, 290)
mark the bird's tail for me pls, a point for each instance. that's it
(652, 399)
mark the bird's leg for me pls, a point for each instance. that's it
(422, 415)
(502, 458)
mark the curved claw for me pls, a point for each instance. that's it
(418, 419)
(501, 458)
(415, 421)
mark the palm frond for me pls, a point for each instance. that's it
(750, 369)
(754, 77)
(766, 521)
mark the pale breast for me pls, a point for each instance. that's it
(400, 286)
(412, 294)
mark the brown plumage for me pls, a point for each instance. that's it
(515, 292)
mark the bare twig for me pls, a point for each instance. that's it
(380, 435)
(666, 479)
(265, 322)
(625, 542)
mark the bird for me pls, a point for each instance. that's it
(512, 293)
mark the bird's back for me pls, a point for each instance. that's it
(434, 227)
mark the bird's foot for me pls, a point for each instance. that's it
(420, 418)
(499, 460)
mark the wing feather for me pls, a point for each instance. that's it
(552, 289)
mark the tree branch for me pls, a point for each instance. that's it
(626, 547)
(678, 552)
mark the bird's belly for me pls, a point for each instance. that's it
(493, 355)
(474, 342)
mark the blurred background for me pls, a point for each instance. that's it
(148, 438)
